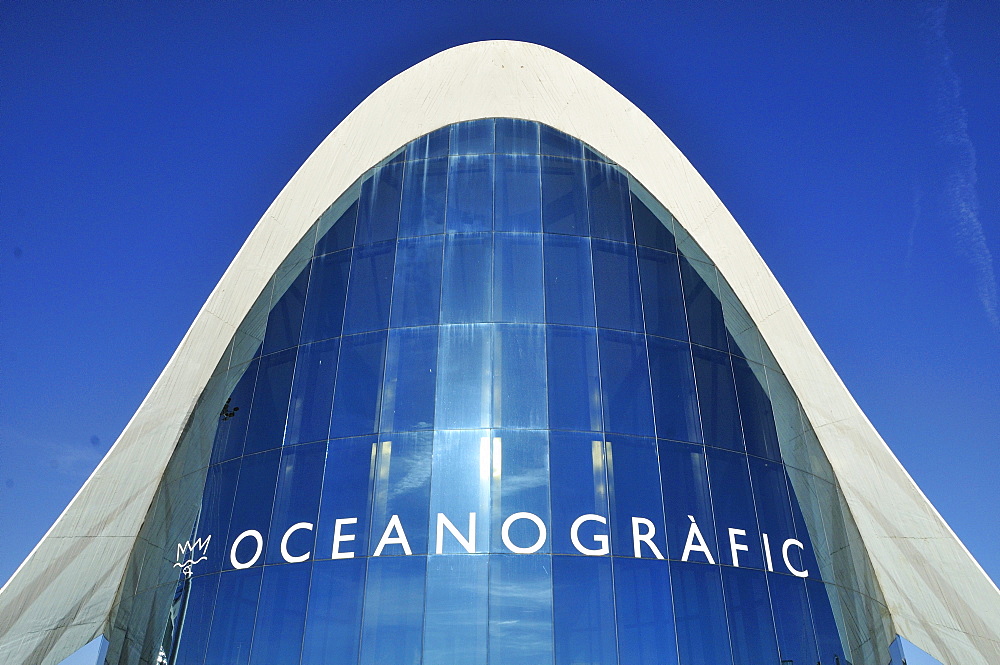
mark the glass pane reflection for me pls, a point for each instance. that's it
(233, 620)
(333, 622)
(520, 627)
(751, 627)
(643, 611)
(394, 606)
(423, 205)
(197, 619)
(456, 614)
(583, 610)
(281, 614)
(470, 194)
(700, 614)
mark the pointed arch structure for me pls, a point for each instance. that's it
(62, 595)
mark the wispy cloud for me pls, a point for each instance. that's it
(961, 200)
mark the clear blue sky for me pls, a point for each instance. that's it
(857, 144)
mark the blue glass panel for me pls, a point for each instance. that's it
(408, 392)
(807, 554)
(300, 478)
(755, 410)
(554, 142)
(832, 649)
(773, 510)
(579, 486)
(517, 278)
(333, 622)
(649, 230)
(312, 392)
(662, 302)
(564, 196)
(416, 288)
(394, 604)
(216, 509)
(357, 397)
(460, 485)
(270, 402)
(434, 144)
(520, 609)
(569, 281)
(232, 622)
(732, 499)
(684, 476)
(675, 402)
(456, 613)
(252, 505)
(341, 234)
(625, 392)
(470, 194)
(281, 614)
(517, 203)
(703, 307)
(368, 297)
(468, 266)
(403, 487)
(573, 378)
(197, 619)
(610, 216)
(519, 376)
(520, 485)
(324, 316)
(474, 137)
(285, 319)
(796, 641)
(751, 627)
(425, 184)
(517, 136)
(616, 286)
(583, 610)
(720, 415)
(700, 615)
(464, 377)
(378, 213)
(232, 429)
(644, 616)
(634, 480)
(594, 155)
(347, 494)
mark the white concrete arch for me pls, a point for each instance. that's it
(61, 595)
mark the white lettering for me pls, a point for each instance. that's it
(767, 553)
(236, 543)
(284, 543)
(199, 545)
(400, 539)
(734, 547)
(468, 543)
(602, 539)
(505, 533)
(638, 538)
(339, 538)
(689, 546)
(788, 564)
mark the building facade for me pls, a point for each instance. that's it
(506, 394)
(500, 414)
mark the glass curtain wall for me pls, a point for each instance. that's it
(499, 407)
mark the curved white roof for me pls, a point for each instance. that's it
(61, 596)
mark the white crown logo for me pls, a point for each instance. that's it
(190, 553)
